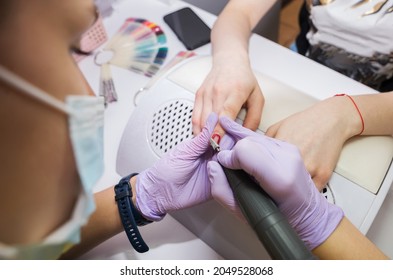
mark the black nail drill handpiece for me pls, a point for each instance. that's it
(272, 228)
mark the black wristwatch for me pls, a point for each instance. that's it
(130, 216)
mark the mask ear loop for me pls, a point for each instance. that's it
(31, 90)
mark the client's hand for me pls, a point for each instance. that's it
(229, 86)
(179, 179)
(320, 133)
(279, 169)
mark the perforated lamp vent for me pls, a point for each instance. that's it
(170, 125)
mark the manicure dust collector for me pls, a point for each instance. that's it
(162, 119)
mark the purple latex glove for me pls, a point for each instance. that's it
(179, 179)
(279, 168)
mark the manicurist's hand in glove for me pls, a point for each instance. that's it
(178, 180)
(280, 171)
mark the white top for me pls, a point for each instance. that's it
(348, 27)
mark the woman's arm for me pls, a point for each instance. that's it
(103, 224)
(348, 243)
(321, 130)
(377, 112)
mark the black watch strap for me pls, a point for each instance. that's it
(130, 217)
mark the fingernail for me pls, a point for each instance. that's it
(216, 137)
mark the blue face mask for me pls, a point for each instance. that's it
(86, 120)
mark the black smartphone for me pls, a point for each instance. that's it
(189, 28)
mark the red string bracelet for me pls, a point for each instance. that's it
(357, 109)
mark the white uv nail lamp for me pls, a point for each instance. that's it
(162, 119)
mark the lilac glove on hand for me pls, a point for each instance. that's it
(279, 169)
(179, 179)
